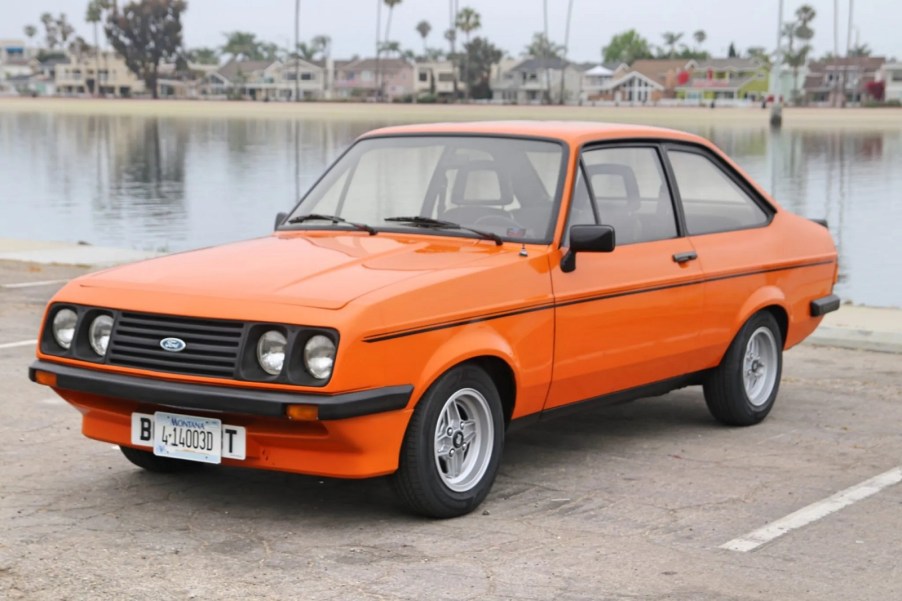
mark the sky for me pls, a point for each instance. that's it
(509, 24)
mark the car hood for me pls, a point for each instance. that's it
(312, 269)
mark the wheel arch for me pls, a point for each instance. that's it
(770, 299)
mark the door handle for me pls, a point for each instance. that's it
(686, 256)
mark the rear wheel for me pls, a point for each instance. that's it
(742, 389)
(152, 463)
(453, 445)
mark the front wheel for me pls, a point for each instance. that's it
(741, 391)
(453, 445)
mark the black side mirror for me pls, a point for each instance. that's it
(587, 238)
(280, 217)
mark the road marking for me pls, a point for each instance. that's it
(33, 284)
(20, 343)
(814, 512)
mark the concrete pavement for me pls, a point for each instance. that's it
(853, 327)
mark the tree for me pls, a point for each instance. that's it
(467, 21)
(800, 29)
(860, 50)
(94, 15)
(876, 90)
(51, 31)
(423, 28)
(540, 46)
(203, 56)
(242, 45)
(30, 31)
(731, 53)
(760, 54)
(700, 37)
(670, 40)
(65, 28)
(626, 47)
(390, 47)
(480, 56)
(146, 32)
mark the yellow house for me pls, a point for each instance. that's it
(106, 75)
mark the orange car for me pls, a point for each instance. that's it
(437, 284)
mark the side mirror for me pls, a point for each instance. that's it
(587, 238)
(280, 217)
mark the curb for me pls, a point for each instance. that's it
(849, 338)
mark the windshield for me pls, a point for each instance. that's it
(504, 187)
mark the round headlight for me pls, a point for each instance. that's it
(319, 356)
(271, 352)
(99, 333)
(64, 327)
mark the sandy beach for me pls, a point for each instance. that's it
(794, 118)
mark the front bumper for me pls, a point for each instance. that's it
(221, 399)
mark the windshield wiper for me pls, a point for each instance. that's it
(429, 222)
(334, 219)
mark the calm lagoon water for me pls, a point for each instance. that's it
(171, 184)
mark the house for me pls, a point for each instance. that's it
(391, 78)
(266, 80)
(537, 80)
(840, 80)
(596, 80)
(186, 82)
(724, 79)
(891, 76)
(665, 73)
(104, 73)
(437, 79)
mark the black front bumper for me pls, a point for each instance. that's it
(222, 399)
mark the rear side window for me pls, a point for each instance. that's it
(712, 201)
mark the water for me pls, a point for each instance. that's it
(172, 184)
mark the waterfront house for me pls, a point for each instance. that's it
(537, 80)
(837, 81)
(104, 73)
(891, 76)
(724, 79)
(436, 78)
(596, 81)
(266, 80)
(390, 78)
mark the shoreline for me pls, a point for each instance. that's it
(793, 118)
(856, 327)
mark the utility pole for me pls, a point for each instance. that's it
(776, 110)
(297, 54)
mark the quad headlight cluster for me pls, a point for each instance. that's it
(64, 325)
(316, 353)
(267, 352)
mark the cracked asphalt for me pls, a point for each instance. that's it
(623, 502)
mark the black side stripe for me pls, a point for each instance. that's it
(578, 301)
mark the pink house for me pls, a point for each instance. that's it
(363, 78)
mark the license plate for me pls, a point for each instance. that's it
(188, 437)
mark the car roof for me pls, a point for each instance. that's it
(572, 132)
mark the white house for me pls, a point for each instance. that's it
(535, 80)
(891, 76)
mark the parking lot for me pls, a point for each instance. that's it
(634, 501)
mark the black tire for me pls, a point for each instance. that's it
(429, 480)
(731, 399)
(162, 465)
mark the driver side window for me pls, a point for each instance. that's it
(582, 209)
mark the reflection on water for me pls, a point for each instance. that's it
(174, 184)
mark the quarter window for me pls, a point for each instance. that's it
(712, 202)
(630, 193)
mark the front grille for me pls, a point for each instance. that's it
(211, 346)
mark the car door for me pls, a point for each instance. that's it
(629, 317)
(726, 221)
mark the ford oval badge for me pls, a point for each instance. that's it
(173, 345)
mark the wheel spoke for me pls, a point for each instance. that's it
(469, 430)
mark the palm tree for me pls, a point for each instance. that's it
(297, 58)
(93, 16)
(700, 37)
(391, 7)
(423, 28)
(566, 45)
(670, 40)
(30, 31)
(467, 21)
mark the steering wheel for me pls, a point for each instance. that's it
(497, 221)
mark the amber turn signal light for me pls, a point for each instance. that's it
(306, 413)
(45, 377)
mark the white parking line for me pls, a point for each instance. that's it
(20, 343)
(814, 512)
(33, 284)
